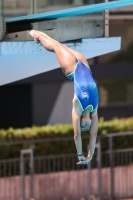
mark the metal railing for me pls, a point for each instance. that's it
(109, 175)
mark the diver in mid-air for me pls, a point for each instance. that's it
(85, 100)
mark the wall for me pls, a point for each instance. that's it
(71, 185)
(123, 28)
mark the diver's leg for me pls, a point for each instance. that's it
(66, 58)
(77, 54)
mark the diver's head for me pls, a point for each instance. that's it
(85, 123)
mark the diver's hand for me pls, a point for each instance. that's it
(84, 161)
(82, 158)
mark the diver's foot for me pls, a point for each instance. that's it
(35, 34)
(45, 35)
(41, 33)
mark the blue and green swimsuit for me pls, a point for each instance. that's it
(85, 87)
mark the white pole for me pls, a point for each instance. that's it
(78, 2)
(33, 6)
(34, 11)
(106, 22)
(1, 19)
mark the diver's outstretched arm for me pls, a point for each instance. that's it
(92, 140)
(93, 135)
(76, 117)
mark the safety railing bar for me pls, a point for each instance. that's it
(40, 141)
(9, 160)
(119, 150)
(116, 134)
(63, 139)
(36, 157)
(55, 156)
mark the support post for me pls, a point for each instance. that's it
(99, 167)
(78, 2)
(34, 11)
(106, 15)
(89, 181)
(22, 176)
(22, 170)
(111, 168)
(89, 178)
(33, 6)
(31, 173)
(1, 19)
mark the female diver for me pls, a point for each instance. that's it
(85, 100)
